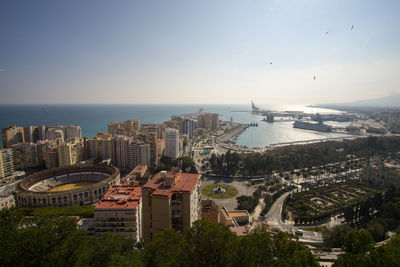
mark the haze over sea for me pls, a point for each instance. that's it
(94, 119)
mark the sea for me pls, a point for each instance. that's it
(94, 119)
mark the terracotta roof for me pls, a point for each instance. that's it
(121, 197)
(239, 231)
(184, 183)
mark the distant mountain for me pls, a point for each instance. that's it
(391, 101)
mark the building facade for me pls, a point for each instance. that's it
(171, 143)
(12, 135)
(209, 121)
(188, 126)
(127, 128)
(120, 212)
(70, 153)
(6, 162)
(138, 154)
(25, 156)
(99, 147)
(7, 201)
(170, 200)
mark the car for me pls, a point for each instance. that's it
(299, 232)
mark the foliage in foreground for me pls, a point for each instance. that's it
(55, 241)
(82, 211)
(360, 252)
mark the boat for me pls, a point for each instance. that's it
(319, 127)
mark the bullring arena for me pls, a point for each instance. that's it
(67, 186)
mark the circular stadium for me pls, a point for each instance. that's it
(67, 186)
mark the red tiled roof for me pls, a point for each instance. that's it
(184, 183)
(121, 197)
(239, 230)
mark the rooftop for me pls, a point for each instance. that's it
(165, 184)
(239, 230)
(121, 197)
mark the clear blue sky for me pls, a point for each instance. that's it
(198, 51)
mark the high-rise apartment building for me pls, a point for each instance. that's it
(70, 152)
(170, 200)
(209, 121)
(51, 159)
(120, 211)
(6, 162)
(12, 135)
(99, 147)
(171, 143)
(119, 153)
(32, 134)
(127, 128)
(187, 127)
(71, 131)
(55, 134)
(25, 156)
(151, 138)
(138, 154)
(43, 146)
(127, 152)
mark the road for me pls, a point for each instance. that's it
(274, 218)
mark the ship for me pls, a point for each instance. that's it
(319, 127)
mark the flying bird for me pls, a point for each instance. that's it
(314, 78)
(270, 63)
(326, 32)
(352, 27)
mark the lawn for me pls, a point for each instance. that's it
(229, 193)
(83, 211)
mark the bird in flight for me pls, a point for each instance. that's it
(352, 27)
(270, 63)
(326, 32)
(314, 78)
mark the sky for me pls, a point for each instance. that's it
(198, 52)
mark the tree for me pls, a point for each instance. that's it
(358, 242)
(210, 244)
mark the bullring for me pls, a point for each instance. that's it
(67, 186)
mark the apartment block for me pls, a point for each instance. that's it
(120, 212)
(6, 162)
(138, 154)
(209, 121)
(99, 147)
(127, 128)
(170, 200)
(70, 153)
(55, 134)
(25, 156)
(171, 143)
(71, 131)
(51, 159)
(188, 126)
(127, 152)
(12, 135)
(119, 146)
(43, 146)
(7, 201)
(138, 176)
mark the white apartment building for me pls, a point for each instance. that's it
(171, 143)
(120, 212)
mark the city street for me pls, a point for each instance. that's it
(274, 218)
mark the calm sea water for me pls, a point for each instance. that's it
(94, 119)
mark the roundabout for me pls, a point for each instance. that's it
(219, 191)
